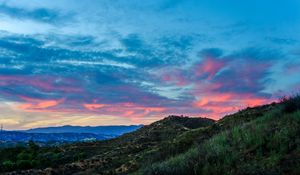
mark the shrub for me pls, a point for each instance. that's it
(291, 104)
(8, 165)
(24, 164)
(24, 156)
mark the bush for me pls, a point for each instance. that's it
(24, 164)
(291, 104)
(8, 165)
(24, 156)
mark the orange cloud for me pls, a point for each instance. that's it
(131, 110)
(254, 102)
(220, 104)
(35, 105)
(93, 106)
(213, 98)
(137, 113)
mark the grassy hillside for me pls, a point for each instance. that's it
(260, 140)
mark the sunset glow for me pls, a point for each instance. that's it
(125, 62)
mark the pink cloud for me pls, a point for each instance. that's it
(174, 76)
(45, 83)
(93, 106)
(209, 67)
(135, 109)
(130, 110)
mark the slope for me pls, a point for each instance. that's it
(261, 140)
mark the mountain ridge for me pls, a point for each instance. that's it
(109, 130)
(65, 134)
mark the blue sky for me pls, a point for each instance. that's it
(129, 62)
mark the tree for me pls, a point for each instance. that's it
(33, 147)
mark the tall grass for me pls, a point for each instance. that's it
(257, 147)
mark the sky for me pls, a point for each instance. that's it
(123, 62)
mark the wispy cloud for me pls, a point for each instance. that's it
(39, 14)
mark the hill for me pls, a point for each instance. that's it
(116, 155)
(259, 140)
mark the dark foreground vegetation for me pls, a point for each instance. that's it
(27, 156)
(260, 140)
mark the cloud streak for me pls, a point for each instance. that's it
(43, 15)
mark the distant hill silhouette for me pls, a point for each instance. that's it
(64, 134)
(14, 136)
(104, 130)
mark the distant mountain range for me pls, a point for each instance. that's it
(67, 133)
(15, 136)
(103, 130)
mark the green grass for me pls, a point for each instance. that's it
(261, 146)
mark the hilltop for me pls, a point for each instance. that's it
(259, 140)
